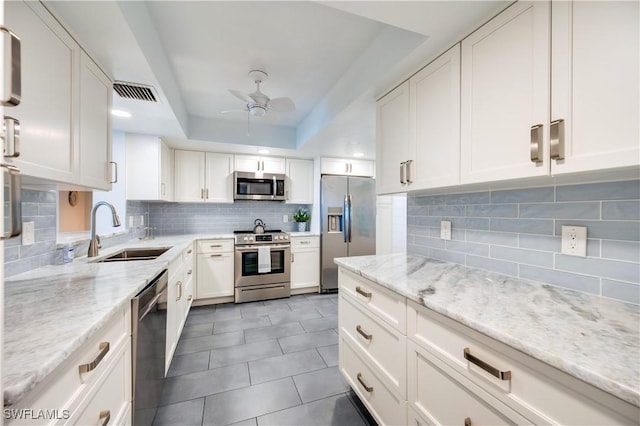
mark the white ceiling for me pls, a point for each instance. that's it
(333, 59)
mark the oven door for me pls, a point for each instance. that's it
(246, 265)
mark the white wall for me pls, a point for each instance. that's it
(391, 224)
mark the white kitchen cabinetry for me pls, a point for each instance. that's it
(201, 176)
(418, 129)
(252, 163)
(344, 167)
(505, 96)
(300, 176)
(148, 168)
(305, 264)
(88, 395)
(179, 298)
(65, 130)
(215, 269)
(595, 76)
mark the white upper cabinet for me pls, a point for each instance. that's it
(95, 127)
(203, 177)
(300, 176)
(253, 163)
(148, 166)
(344, 167)
(595, 73)
(392, 141)
(505, 95)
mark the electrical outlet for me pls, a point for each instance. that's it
(445, 230)
(574, 240)
(285, 218)
(28, 233)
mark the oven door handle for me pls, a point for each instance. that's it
(255, 248)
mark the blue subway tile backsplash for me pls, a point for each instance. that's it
(517, 232)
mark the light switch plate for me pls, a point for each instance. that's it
(574, 240)
(285, 218)
(28, 233)
(445, 230)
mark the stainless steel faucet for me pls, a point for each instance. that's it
(94, 244)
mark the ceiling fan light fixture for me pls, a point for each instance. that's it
(257, 110)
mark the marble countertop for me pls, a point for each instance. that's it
(51, 311)
(589, 337)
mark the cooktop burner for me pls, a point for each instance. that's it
(270, 231)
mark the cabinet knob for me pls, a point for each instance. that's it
(467, 421)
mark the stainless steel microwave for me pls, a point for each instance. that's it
(259, 186)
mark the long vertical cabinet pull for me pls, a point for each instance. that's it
(557, 140)
(11, 136)
(13, 87)
(536, 143)
(409, 171)
(15, 202)
(403, 175)
(115, 171)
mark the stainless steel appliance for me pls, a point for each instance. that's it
(149, 337)
(348, 206)
(252, 282)
(259, 186)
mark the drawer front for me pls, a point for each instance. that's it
(382, 302)
(382, 345)
(380, 400)
(215, 246)
(534, 389)
(304, 242)
(112, 395)
(440, 398)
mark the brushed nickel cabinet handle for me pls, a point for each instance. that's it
(403, 178)
(15, 201)
(11, 137)
(190, 271)
(292, 257)
(179, 286)
(364, 385)
(85, 368)
(364, 333)
(189, 251)
(467, 421)
(104, 417)
(557, 140)
(305, 242)
(536, 143)
(202, 193)
(363, 293)
(115, 171)
(215, 245)
(13, 61)
(190, 297)
(408, 173)
(216, 255)
(502, 375)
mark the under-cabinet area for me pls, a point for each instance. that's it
(415, 357)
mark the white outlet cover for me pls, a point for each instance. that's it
(445, 230)
(574, 240)
(285, 218)
(28, 233)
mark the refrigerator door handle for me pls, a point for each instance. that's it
(350, 218)
(345, 218)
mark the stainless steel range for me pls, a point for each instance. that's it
(262, 265)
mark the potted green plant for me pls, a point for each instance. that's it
(302, 217)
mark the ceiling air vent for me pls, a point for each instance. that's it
(135, 91)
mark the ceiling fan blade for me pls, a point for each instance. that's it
(231, 111)
(241, 95)
(282, 105)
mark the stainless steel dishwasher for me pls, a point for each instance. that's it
(149, 337)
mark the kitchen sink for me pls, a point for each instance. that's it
(134, 254)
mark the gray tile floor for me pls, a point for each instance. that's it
(261, 363)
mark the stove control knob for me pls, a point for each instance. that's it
(245, 238)
(278, 237)
(250, 238)
(286, 237)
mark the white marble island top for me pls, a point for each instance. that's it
(51, 311)
(589, 337)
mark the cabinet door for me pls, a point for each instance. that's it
(595, 83)
(392, 122)
(334, 166)
(50, 62)
(505, 91)
(176, 280)
(363, 168)
(219, 184)
(95, 126)
(215, 275)
(247, 163)
(434, 123)
(166, 173)
(143, 158)
(189, 175)
(300, 175)
(305, 268)
(273, 165)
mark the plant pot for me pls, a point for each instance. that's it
(302, 226)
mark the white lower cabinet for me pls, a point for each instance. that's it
(179, 299)
(305, 264)
(215, 269)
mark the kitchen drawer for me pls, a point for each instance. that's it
(66, 386)
(536, 390)
(111, 396)
(386, 304)
(215, 246)
(382, 345)
(305, 242)
(381, 401)
(443, 397)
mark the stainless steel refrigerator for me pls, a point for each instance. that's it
(348, 207)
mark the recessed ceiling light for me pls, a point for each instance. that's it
(358, 154)
(263, 151)
(120, 113)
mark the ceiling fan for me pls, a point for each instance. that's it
(257, 103)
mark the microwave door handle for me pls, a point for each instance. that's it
(275, 187)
